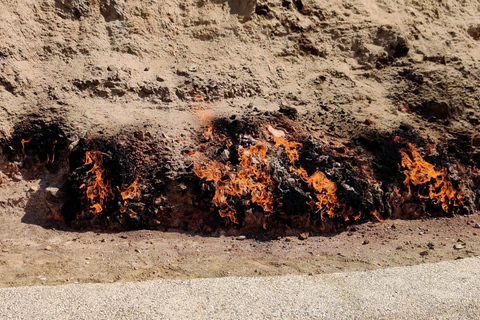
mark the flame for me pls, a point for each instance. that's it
(205, 117)
(325, 191)
(98, 190)
(291, 148)
(132, 192)
(53, 152)
(250, 179)
(23, 145)
(419, 172)
(377, 216)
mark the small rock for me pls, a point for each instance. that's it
(5, 250)
(48, 248)
(54, 192)
(275, 132)
(137, 251)
(289, 111)
(365, 242)
(241, 238)
(34, 188)
(458, 246)
(476, 225)
(303, 236)
(43, 279)
(424, 253)
(88, 258)
(368, 122)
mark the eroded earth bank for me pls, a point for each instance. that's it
(235, 137)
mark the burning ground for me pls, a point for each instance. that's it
(258, 118)
(261, 173)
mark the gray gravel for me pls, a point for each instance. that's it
(446, 290)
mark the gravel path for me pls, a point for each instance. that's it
(445, 290)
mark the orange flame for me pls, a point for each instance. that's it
(98, 190)
(419, 172)
(205, 117)
(53, 152)
(23, 145)
(290, 148)
(132, 192)
(325, 191)
(250, 179)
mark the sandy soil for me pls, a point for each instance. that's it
(102, 67)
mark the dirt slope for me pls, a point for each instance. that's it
(106, 67)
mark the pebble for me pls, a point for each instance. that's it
(241, 237)
(5, 250)
(366, 242)
(48, 248)
(303, 236)
(424, 253)
(476, 225)
(88, 258)
(137, 251)
(458, 246)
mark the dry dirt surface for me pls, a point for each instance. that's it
(158, 92)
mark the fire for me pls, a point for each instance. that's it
(250, 179)
(98, 190)
(51, 160)
(132, 192)
(324, 189)
(325, 192)
(438, 187)
(205, 117)
(23, 145)
(291, 148)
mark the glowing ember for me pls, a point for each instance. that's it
(23, 145)
(250, 179)
(437, 186)
(98, 190)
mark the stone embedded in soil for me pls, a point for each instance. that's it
(303, 236)
(458, 246)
